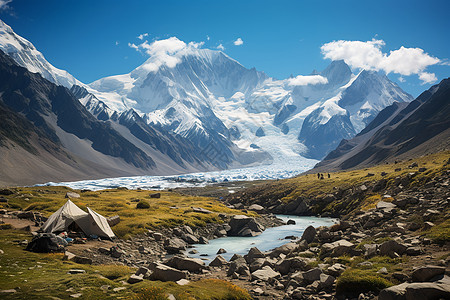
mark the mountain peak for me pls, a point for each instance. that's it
(337, 72)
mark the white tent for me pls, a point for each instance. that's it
(90, 222)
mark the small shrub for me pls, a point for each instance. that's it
(143, 205)
(354, 282)
(113, 272)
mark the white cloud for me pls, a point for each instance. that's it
(427, 77)
(401, 79)
(238, 42)
(368, 55)
(208, 38)
(221, 47)
(166, 52)
(4, 4)
(142, 36)
(307, 80)
(117, 43)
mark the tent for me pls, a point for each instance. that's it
(69, 215)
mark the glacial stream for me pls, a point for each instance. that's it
(268, 240)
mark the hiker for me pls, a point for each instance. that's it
(318, 175)
(321, 176)
(329, 175)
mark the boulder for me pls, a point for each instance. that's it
(265, 273)
(284, 249)
(68, 256)
(155, 195)
(256, 207)
(182, 282)
(157, 236)
(284, 266)
(336, 269)
(145, 272)
(194, 265)
(427, 273)
(190, 239)
(291, 222)
(309, 234)
(326, 281)
(239, 266)
(312, 275)
(135, 279)
(257, 264)
(201, 210)
(252, 254)
(82, 260)
(72, 195)
(416, 291)
(174, 245)
(116, 252)
(219, 261)
(203, 240)
(166, 273)
(384, 205)
(339, 248)
(221, 251)
(389, 248)
(241, 225)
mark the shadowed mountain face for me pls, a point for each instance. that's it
(398, 132)
(44, 103)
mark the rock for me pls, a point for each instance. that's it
(290, 222)
(312, 275)
(116, 252)
(135, 278)
(194, 265)
(241, 225)
(239, 266)
(201, 210)
(114, 220)
(383, 270)
(414, 251)
(390, 247)
(76, 271)
(190, 239)
(285, 266)
(257, 264)
(145, 272)
(166, 273)
(265, 273)
(370, 250)
(258, 291)
(336, 269)
(428, 225)
(326, 281)
(82, 260)
(103, 250)
(29, 215)
(339, 248)
(416, 291)
(157, 236)
(219, 261)
(78, 295)
(203, 240)
(383, 205)
(68, 256)
(426, 273)
(309, 234)
(363, 188)
(10, 291)
(221, 251)
(400, 276)
(174, 245)
(72, 195)
(256, 207)
(422, 169)
(118, 289)
(252, 254)
(413, 165)
(182, 282)
(155, 195)
(284, 249)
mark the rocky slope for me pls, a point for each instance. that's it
(400, 131)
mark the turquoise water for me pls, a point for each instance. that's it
(268, 240)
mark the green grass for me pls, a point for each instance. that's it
(440, 233)
(39, 276)
(172, 209)
(354, 282)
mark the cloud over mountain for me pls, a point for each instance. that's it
(368, 55)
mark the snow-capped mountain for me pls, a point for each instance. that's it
(26, 55)
(235, 116)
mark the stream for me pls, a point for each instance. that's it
(271, 238)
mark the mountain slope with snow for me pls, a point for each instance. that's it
(231, 115)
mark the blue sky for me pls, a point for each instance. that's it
(90, 39)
